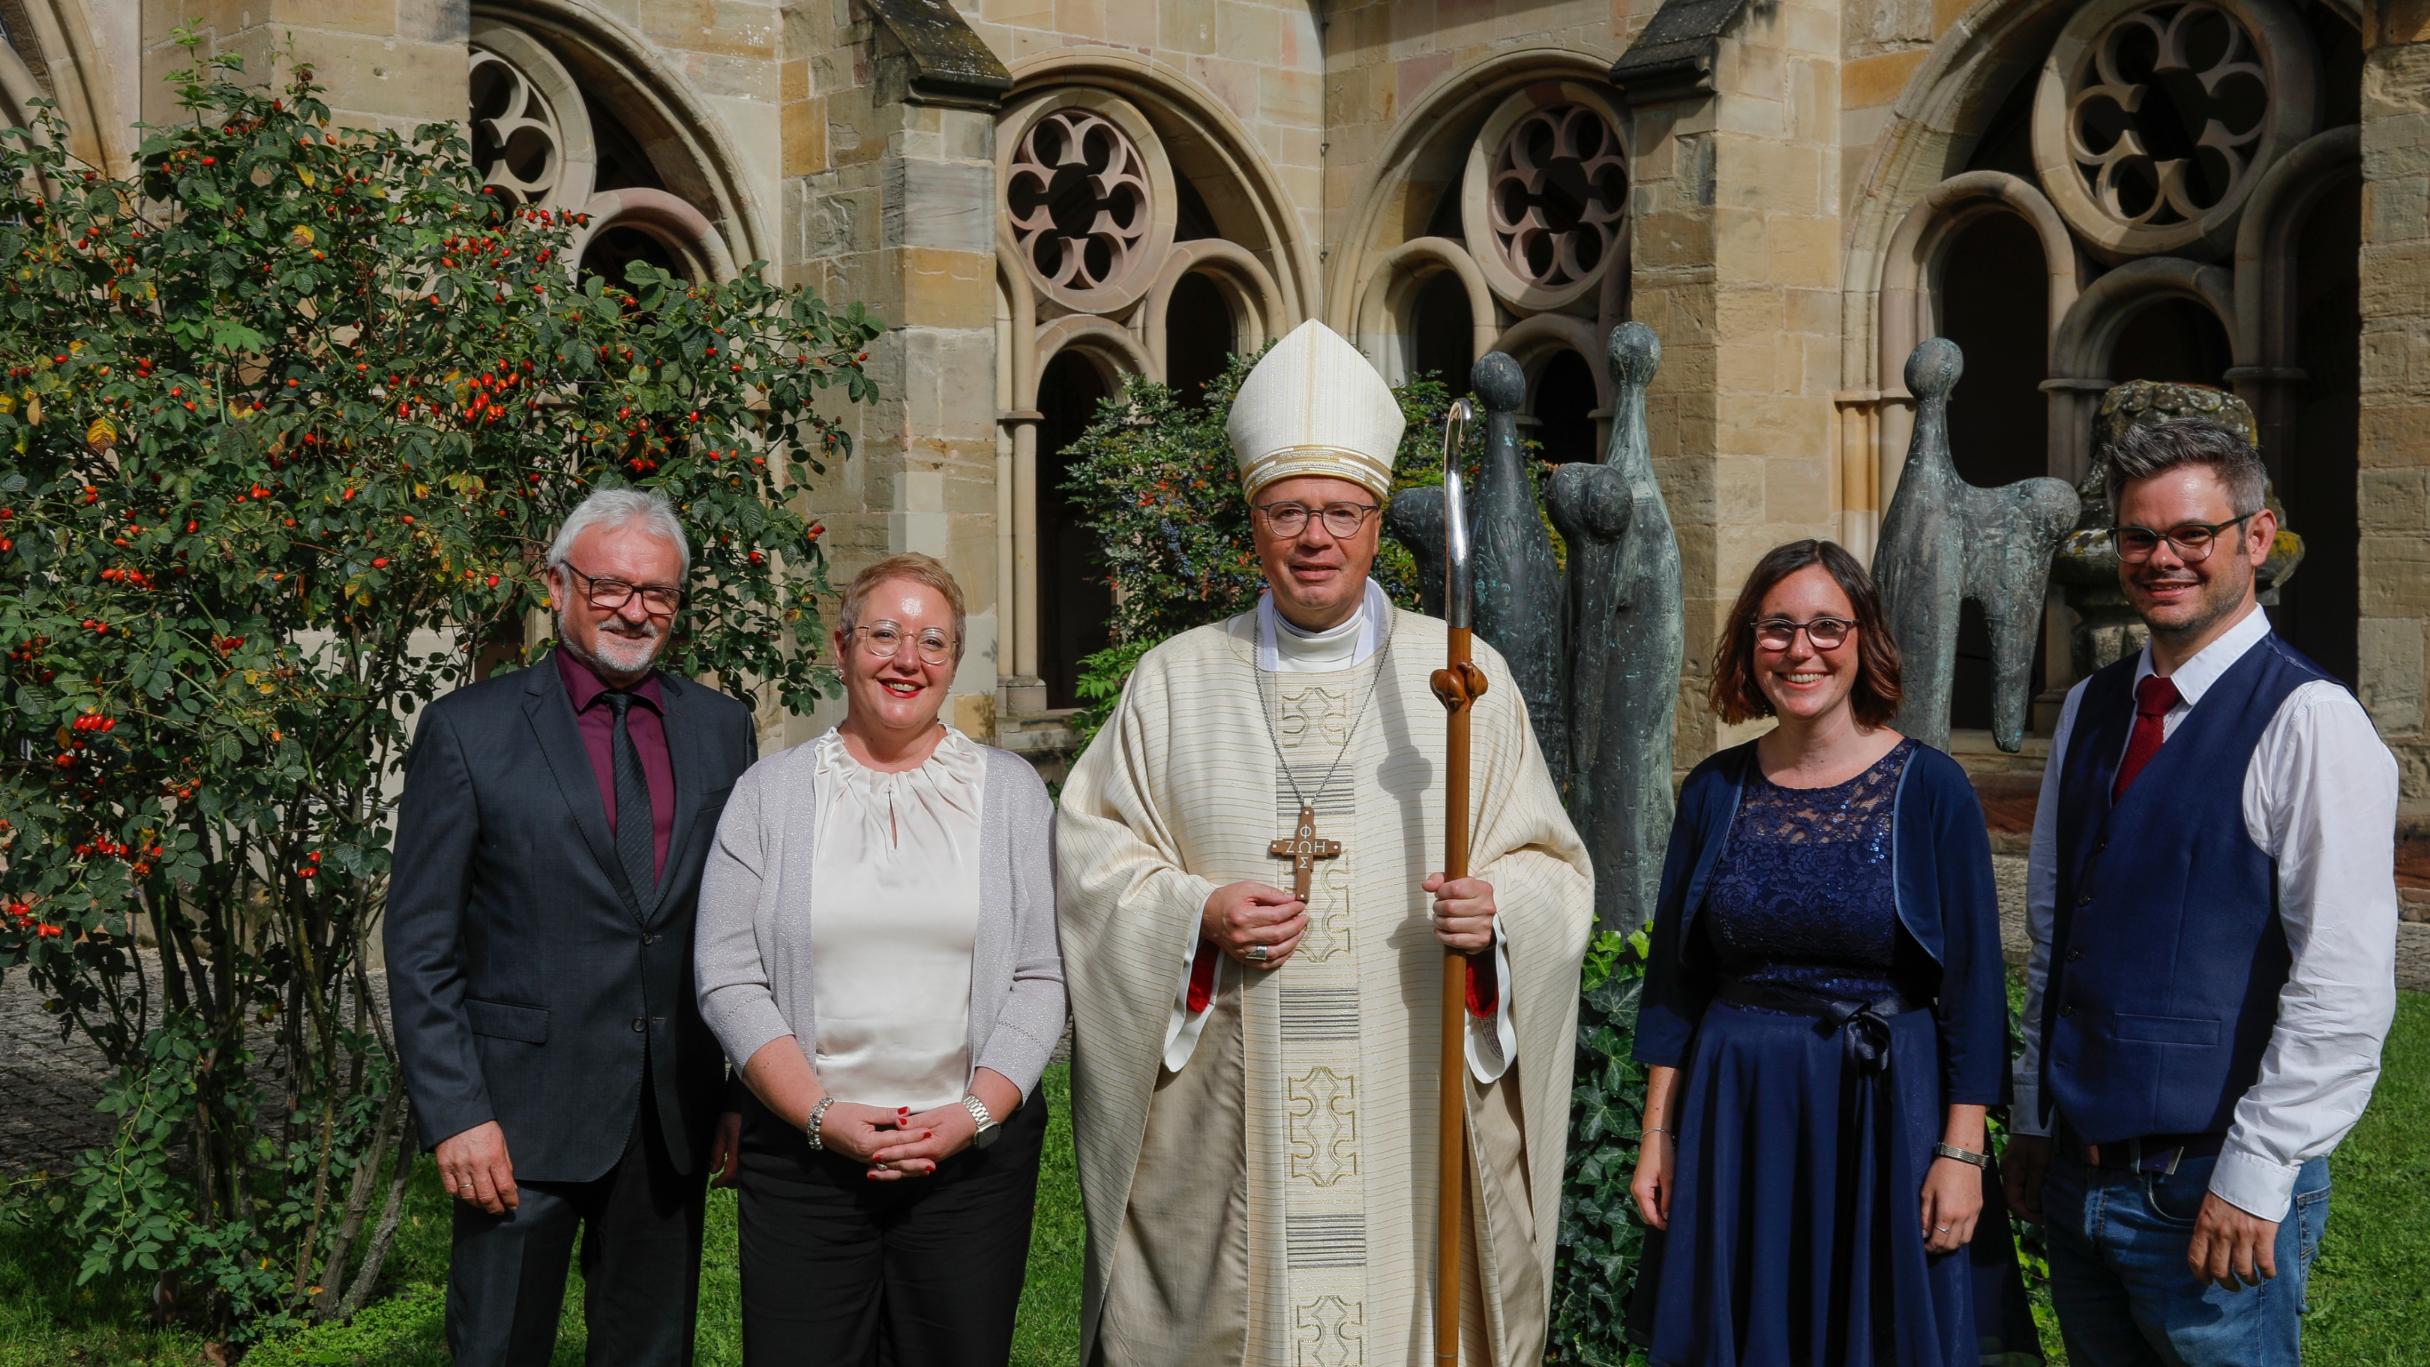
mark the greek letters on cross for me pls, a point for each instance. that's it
(1303, 849)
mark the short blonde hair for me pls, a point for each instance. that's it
(925, 570)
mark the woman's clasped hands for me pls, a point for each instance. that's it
(896, 1143)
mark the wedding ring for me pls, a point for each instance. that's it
(1258, 953)
(1940, 1229)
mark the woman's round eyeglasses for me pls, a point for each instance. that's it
(884, 640)
(1827, 633)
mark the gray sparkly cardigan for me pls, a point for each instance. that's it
(752, 947)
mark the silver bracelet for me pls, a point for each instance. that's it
(1657, 1129)
(1968, 1156)
(818, 1117)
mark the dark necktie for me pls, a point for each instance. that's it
(636, 842)
(2153, 698)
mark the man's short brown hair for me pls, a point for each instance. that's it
(1735, 695)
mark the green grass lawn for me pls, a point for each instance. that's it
(2369, 1307)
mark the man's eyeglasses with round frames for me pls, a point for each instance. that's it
(610, 595)
(1778, 633)
(884, 640)
(2192, 541)
(1340, 519)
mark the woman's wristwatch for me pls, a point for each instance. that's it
(818, 1116)
(985, 1119)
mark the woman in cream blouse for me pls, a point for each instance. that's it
(877, 950)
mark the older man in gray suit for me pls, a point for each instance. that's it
(539, 937)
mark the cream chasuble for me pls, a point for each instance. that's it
(1271, 1203)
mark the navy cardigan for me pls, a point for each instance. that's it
(1947, 905)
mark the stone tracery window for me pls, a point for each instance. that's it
(1079, 201)
(2154, 119)
(1544, 201)
(545, 139)
(1557, 191)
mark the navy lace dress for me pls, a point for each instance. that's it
(1795, 1232)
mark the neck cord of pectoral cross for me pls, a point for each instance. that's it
(1302, 847)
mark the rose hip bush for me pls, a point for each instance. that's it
(286, 423)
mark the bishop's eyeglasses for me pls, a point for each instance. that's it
(1341, 519)
(2192, 541)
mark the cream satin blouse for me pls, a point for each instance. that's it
(894, 913)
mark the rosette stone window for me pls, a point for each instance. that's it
(1079, 200)
(2153, 122)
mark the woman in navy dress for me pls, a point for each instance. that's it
(1824, 1018)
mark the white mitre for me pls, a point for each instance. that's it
(1314, 406)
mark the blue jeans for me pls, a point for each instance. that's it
(2119, 1282)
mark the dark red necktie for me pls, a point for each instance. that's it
(2153, 698)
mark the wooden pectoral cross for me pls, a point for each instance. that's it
(1303, 849)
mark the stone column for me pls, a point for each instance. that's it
(1736, 267)
(2394, 449)
(891, 200)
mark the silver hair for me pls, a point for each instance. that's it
(614, 508)
(2151, 449)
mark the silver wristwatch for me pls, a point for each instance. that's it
(818, 1116)
(986, 1120)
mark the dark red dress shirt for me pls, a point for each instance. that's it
(647, 725)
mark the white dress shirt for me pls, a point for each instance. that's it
(1286, 649)
(2319, 798)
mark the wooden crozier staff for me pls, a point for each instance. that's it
(1458, 684)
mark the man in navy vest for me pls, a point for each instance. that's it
(2212, 900)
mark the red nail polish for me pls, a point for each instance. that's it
(928, 1134)
(870, 1175)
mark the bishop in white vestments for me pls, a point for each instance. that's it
(1253, 937)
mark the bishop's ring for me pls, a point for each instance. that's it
(1258, 953)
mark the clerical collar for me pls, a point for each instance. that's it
(1283, 648)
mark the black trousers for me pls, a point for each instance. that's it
(841, 1271)
(641, 1229)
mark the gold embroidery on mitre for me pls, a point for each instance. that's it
(1336, 462)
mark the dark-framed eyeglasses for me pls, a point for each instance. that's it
(1340, 519)
(610, 595)
(884, 640)
(1779, 633)
(2193, 541)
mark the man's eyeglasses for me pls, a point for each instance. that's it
(1778, 633)
(883, 640)
(2193, 541)
(610, 595)
(1341, 519)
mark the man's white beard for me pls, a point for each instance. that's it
(617, 653)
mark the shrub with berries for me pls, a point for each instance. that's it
(289, 418)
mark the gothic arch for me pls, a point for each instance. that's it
(1911, 271)
(1381, 311)
(1534, 341)
(1208, 146)
(2083, 348)
(59, 57)
(1429, 147)
(1108, 347)
(1247, 287)
(617, 68)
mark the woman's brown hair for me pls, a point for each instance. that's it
(1873, 698)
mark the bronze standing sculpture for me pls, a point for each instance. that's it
(1518, 602)
(1944, 541)
(1627, 618)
